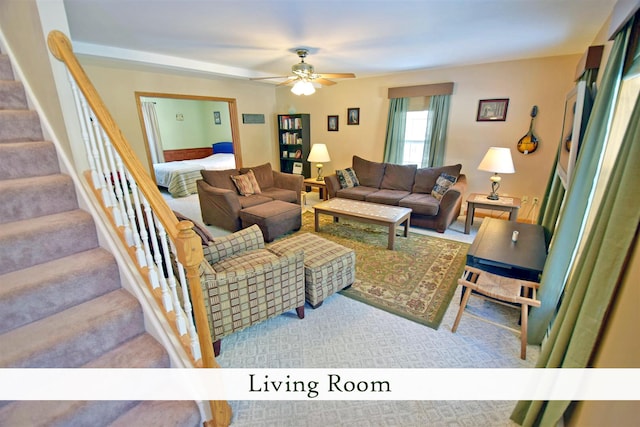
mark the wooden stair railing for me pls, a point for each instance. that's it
(144, 223)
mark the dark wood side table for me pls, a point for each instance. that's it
(320, 185)
(494, 251)
(477, 200)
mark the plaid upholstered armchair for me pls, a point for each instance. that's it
(244, 284)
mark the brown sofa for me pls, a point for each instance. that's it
(406, 186)
(221, 203)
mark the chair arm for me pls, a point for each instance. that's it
(289, 181)
(219, 206)
(333, 185)
(244, 240)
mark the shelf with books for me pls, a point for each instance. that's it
(294, 142)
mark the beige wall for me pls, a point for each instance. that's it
(117, 84)
(543, 82)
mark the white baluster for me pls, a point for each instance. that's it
(193, 333)
(166, 256)
(125, 205)
(117, 181)
(107, 173)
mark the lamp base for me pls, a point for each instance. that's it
(495, 184)
(320, 177)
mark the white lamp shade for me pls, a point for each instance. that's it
(303, 87)
(319, 154)
(497, 160)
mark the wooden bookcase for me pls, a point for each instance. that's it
(294, 142)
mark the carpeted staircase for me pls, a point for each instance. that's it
(61, 300)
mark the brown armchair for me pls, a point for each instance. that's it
(220, 202)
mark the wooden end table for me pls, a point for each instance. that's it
(478, 200)
(320, 185)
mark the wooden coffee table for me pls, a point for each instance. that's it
(372, 213)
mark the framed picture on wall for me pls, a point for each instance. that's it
(353, 116)
(332, 123)
(216, 118)
(492, 110)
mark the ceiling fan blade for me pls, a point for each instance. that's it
(290, 79)
(266, 78)
(338, 75)
(323, 81)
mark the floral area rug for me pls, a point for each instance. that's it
(416, 280)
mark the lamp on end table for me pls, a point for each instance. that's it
(319, 155)
(497, 160)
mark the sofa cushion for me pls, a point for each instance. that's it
(443, 183)
(220, 179)
(263, 173)
(276, 193)
(355, 193)
(386, 196)
(423, 204)
(243, 184)
(398, 177)
(347, 178)
(426, 178)
(254, 199)
(369, 173)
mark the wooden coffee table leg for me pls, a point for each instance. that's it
(317, 221)
(392, 236)
(406, 226)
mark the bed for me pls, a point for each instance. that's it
(179, 177)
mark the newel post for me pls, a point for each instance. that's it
(190, 254)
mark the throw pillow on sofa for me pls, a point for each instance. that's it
(347, 178)
(443, 183)
(246, 184)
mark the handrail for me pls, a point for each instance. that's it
(144, 220)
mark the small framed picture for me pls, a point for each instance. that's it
(332, 123)
(353, 116)
(216, 118)
(492, 110)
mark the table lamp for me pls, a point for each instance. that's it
(497, 160)
(319, 155)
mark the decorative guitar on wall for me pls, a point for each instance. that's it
(529, 142)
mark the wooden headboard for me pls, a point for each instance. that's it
(187, 154)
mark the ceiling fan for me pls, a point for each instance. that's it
(304, 76)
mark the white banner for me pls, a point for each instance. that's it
(319, 384)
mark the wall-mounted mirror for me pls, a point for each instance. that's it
(184, 133)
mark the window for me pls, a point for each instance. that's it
(414, 137)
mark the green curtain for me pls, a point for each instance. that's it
(551, 203)
(555, 191)
(590, 290)
(578, 195)
(597, 275)
(396, 125)
(436, 135)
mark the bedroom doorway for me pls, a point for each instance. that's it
(186, 126)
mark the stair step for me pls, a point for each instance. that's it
(37, 292)
(36, 196)
(30, 242)
(6, 71)
(20, 125)
(25, 159)
(12, 96)
(151, 413)
(142, 351)
(76, 336)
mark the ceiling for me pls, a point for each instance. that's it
(242, 38)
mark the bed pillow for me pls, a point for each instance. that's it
(347, 178)
(243, 184)
(443, 183)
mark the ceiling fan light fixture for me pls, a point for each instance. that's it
(303, 87)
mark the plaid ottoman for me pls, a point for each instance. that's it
(328, 266)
